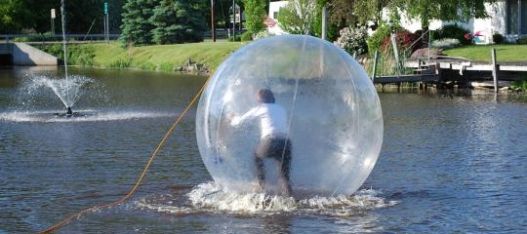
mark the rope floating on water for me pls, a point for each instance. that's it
(138, 182)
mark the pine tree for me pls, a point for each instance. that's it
(177, 21)
(137, 26)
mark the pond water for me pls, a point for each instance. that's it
(450, 162)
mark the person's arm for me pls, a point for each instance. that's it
(237, 120)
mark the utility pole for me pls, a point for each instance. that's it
(212, 24)
(324, 22)
(233, 20)
(106, 23)
(64, 38)
(240, 28)
(53, 16)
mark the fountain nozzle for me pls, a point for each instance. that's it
(69, 112)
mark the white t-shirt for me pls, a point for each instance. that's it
(273, 119)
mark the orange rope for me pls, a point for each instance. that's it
(162, 143)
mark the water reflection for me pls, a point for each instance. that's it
(453, 162)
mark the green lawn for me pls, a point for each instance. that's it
(155, 57)
(504, 53)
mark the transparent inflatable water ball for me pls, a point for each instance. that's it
(291, 111)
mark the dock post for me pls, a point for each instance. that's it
(494, 69)
(438, 68)
(438, 71)
(375, 60)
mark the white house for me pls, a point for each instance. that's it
(272, 19)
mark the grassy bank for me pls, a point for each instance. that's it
(481, 53)
(165, 58)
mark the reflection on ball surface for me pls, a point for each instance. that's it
(332, 118)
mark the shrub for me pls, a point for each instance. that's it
(377, 38)
(497, 38)
(77, 55)
(21, 39)
(38, 37)
(235, 38)
(522, 41)
(353, 40)
(446, 43)
(520, 85)
(246, 36)
(452, 31)
(121, 63)
(262, 34)
(404, 40)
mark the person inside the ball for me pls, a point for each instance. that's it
(274, 142)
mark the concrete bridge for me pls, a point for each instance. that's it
(22, 54)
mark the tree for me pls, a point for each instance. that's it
(137, 26)
(254, 15)
(427, 10)
(13, 16)
(370, 10)
(298, 16)
(34, 15)
(362, 11)
(341, 12)
(176, 21)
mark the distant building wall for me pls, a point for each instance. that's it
(272, 20)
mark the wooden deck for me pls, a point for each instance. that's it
(448, 71)
(406, 79)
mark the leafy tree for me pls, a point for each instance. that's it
(305, 17)
(34, 15)
(81, 15)
(254, 15)
(176, 21)
(341, 12)
(370, 10)
(298, 16)
(362, 11)
(332, 28)
(427, 10)
(13, 16)
(137, 26)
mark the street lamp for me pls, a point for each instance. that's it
(53, 16)
(106, 23)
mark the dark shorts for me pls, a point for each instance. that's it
(277, 148)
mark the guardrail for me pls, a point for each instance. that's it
(57, 37)
(220, 34)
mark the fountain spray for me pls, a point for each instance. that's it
(64, 47)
